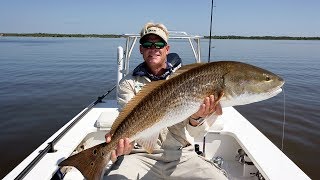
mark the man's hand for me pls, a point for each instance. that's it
(124, 147)
(208, 107)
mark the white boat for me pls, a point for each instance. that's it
(232, 142)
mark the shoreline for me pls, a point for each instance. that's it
(119, 36)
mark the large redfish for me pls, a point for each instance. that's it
(164, 103)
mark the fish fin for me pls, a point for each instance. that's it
(90, 162)
(219, 97)
(186, 68)
(148, 142)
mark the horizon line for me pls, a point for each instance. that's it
(265, 37)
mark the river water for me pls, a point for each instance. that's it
(45, 82)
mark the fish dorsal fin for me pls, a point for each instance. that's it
(149, 142)
(186, 68)
(128, 108)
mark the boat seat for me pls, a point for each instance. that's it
(106, 118)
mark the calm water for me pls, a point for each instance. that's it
(44, 82)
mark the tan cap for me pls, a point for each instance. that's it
(154, 30)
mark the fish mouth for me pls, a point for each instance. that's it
(276, 90)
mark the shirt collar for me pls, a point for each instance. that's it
(142, 70)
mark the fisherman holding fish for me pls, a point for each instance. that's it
(153, 134)
(173, 155)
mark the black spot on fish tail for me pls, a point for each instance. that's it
(90, 162)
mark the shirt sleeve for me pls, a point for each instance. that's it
(201, 130)
(125, 93)
(197, 131)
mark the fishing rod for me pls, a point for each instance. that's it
(204, 137)
(210, 30)
(50, 147)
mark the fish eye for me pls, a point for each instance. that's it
(268, 78)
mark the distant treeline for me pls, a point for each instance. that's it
(264, 37)
(118, 36)
(61, 35)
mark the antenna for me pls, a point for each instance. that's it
(210, 30)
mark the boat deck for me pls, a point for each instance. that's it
(229, 133)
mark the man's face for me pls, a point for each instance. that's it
(154, 57)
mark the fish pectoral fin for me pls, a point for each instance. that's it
(219, 98)
(149, 142)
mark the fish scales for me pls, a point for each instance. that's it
(162, 104)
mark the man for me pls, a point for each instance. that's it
(174, 156)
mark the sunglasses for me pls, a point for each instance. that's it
(157, 45)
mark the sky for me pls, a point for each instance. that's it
(230, 17)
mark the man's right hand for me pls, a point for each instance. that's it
(210, 105)
(124, 147)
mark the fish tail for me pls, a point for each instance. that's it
(90, 162)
